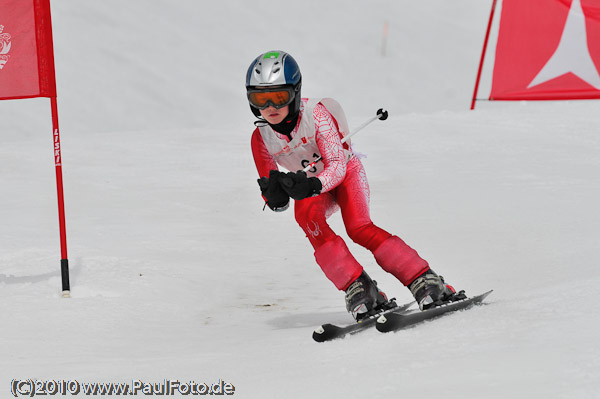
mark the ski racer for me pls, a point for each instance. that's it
(292, 132)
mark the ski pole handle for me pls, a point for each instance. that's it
(381, 114)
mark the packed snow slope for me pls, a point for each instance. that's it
(176, 271)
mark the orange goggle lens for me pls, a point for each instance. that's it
(262, 99)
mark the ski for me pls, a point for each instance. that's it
(328, 332)
(395, 321)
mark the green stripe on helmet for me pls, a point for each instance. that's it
(272, 54)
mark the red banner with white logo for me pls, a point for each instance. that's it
(27, 70)
(547, 50)
(26, 52)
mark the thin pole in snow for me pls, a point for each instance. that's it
(64, 260)
(384, 38)
(485, 43)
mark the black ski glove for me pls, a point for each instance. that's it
(299, 186)
(277, 199)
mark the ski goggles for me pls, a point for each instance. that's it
(277, 97)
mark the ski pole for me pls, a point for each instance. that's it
(381, 114)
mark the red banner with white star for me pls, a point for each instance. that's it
(547, 50)
(26, 51)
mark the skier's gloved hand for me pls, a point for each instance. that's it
(270, 187)
(299, 186)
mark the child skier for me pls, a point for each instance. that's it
(292, 132)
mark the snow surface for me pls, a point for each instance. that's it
(176, 271)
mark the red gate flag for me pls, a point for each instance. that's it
(27, 70)
(547, 50)
(26, 52)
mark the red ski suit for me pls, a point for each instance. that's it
(345, 186)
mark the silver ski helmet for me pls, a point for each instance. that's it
(270, 71)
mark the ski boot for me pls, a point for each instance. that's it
(364, 299)
(430, 291)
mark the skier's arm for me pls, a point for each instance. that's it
(331, 149)
(263, 159)
(272, 192)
